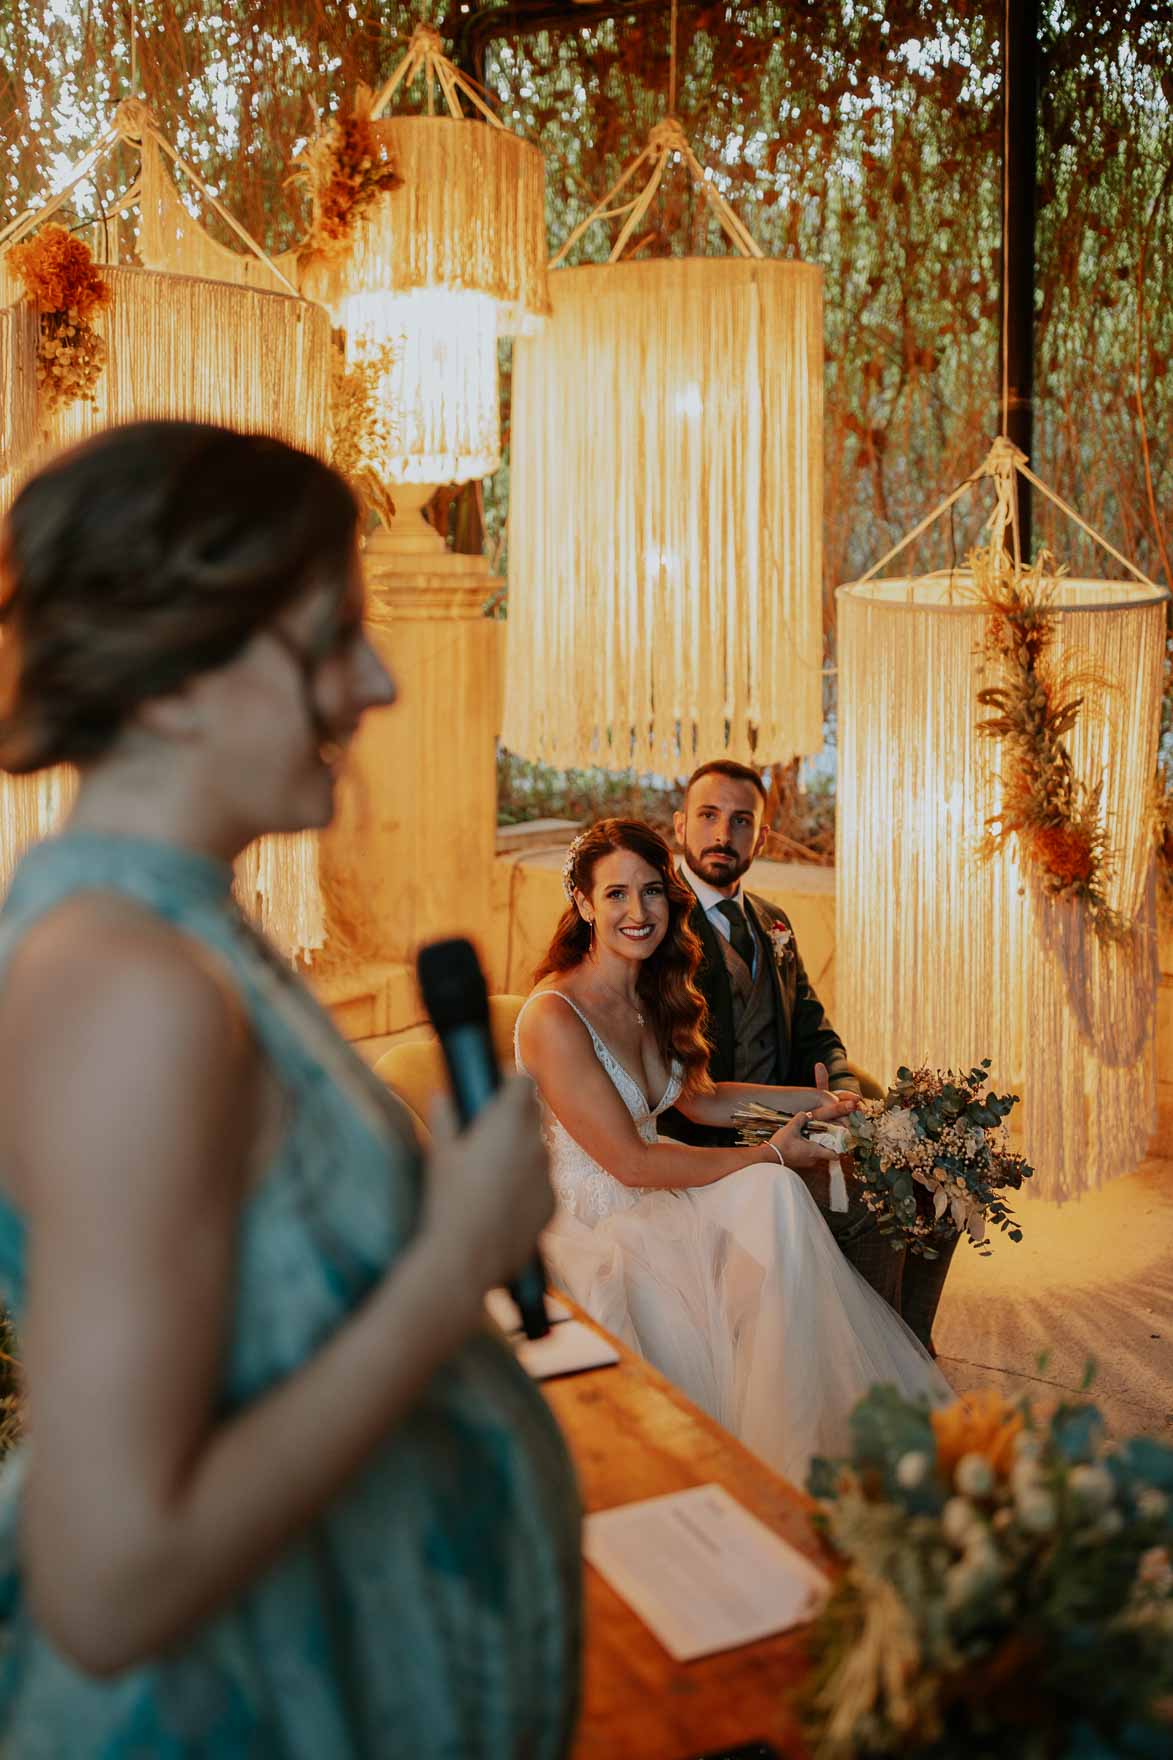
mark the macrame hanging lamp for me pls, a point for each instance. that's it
(666, 500)
(948, 952)
(437, 269)
(249, 353)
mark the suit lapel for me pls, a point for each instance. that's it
(760, 922)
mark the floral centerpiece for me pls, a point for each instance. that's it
(932, 1157)
(1007, 1590)
(59, 275)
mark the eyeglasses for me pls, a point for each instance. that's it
(335, 637)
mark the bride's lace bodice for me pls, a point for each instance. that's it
(582, 1187)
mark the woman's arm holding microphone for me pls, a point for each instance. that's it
(131, 1120)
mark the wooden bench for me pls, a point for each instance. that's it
(633, 1435)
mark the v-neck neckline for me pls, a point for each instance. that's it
(617, 1060)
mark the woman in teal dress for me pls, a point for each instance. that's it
(284, 1494)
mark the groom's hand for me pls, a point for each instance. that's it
(843, 1103)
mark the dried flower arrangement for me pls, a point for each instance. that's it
(361, 431)
(1055, 816)
(60, 276)
(932, 1158)
(1007, 1590)
(345, 168)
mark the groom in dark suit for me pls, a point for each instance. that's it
(766, 1024)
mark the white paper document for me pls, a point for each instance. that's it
(701, 1572)
(501, 1307)
(567, 1349)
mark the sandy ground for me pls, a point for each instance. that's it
(1091, 1280)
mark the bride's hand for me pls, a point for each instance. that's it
(796, 1150)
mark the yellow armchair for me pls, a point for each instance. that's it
(415, 1069)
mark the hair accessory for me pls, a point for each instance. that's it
(568, 865)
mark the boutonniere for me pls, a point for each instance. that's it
(781, 940)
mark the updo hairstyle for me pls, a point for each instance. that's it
(141, 558)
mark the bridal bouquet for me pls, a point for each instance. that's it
(932, 1156)
(1007, 1587)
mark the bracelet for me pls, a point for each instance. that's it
(776, 1150)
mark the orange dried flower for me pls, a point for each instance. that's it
(1066, 851)
(59, 273)
(978, 1423)
(345, 171)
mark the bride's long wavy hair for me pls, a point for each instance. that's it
(665, 986)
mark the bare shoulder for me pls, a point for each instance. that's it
(106, 1006)
(95, 954)
(551, 1027)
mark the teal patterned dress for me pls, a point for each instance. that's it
(433, 1609)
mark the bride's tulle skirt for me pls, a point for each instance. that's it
(738, 1293)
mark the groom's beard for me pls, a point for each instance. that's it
(717, 872)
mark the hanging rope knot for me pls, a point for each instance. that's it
(426, 40)
(668, 136)
(133, 120)
(1001, 465)
(1003, 456)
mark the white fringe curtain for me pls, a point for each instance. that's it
(31, 807)
(665, 527)
(278, 885)
(212, 351)
(18, 382)
(944, 958)
(276, 878)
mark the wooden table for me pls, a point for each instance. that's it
(633, 1435)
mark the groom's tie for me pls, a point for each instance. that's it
(740, 937)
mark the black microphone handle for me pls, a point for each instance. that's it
(475, 1078)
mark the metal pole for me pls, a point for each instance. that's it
(1020, 57)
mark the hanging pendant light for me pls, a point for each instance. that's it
(665, 599)
(946, 954)
(181, 347)
(437, 269)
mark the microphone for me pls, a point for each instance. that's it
(457, 1000)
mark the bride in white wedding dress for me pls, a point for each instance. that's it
(712, 1263)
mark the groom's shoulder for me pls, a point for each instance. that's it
(773, 913)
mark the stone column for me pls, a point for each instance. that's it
(410, 854)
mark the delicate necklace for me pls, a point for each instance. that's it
(640, 1021)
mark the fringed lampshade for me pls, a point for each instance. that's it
(947, 953)
(665, 548)
(183, 347)
(204, 351)
(469, 216)
(436, 270)
(434, 360)
(665, 517)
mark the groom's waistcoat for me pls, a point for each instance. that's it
(755, 1030)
